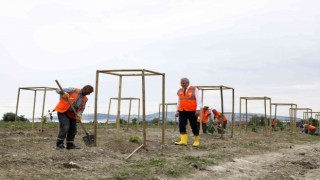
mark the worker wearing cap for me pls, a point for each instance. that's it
(67, 118)
(206, 115)
(189, 105)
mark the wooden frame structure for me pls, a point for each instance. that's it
(221, 88)
(130, 100)
(166, 112)
(35, 89)
(124, 73)
(284, 104)
(265, 111)
(294, 118)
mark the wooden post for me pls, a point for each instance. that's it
(129, 115)
(138, 120)
(43, 105)
(159, 115)
(222, 112)
(34, 107)
(144, 110)
(201, 118)
(246, 125)
(96, 109)
(107, 122)
(17, 107)
(163, 102)
(232, 124)
(265, 115)
(240, 121)
(275, 112)
(270, 125)
(119, 106)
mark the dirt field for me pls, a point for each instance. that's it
(27, 155)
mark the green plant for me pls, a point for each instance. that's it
(135, 139)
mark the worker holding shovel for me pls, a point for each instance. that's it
(67, 116)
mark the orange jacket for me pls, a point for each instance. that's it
(63, 105)
(219, 119)
(187, 101)
(205, 116)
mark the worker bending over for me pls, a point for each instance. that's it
(206, 115)
(222, 122)
(67, 118)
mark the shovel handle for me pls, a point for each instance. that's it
(73, 109)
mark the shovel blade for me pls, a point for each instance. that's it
(88, 140)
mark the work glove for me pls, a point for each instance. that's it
(65, 95)
(78, 118)
(176, 114)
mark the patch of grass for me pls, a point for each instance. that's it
(176, 170)
(121, 175)
(140, 169)
(199, 160)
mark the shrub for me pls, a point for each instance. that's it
(10, 117)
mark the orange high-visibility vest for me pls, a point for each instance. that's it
(310, 128)
(187, 101)
(205, 116)
(63, 104)
(216, 116)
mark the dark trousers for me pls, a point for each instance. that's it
(183, 120)
(204, 127)
(224, 124)
(68, 129)
(312, 132)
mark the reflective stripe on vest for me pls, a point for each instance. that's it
(63, 104)
(187, 101)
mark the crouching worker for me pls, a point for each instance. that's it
(206, 115)
(189, 104)
(67, 118)
(222, 122)
(309, 129)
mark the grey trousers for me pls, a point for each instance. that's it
(68, 128)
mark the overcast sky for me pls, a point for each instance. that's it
(260, 48)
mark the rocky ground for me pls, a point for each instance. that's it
(32, 155)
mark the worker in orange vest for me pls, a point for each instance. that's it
(222, 122)
(189, 104)
(206, 115)
(273, 124)
(67, 118)
(309, 129)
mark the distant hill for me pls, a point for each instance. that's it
(170, 116)
(149, 117)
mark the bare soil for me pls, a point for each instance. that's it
(27, 155)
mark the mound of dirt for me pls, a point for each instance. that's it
(121, 146)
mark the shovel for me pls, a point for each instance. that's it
(88, 139)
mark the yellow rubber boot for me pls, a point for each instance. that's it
(196, 142)
(183, 141)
